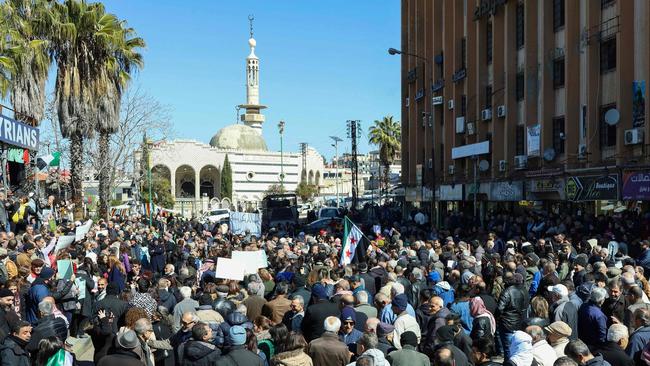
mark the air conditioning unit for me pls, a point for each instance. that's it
(460, 124)
(486, 114)
(450, 104)
(521, 161)
(502, 165)
(470, 128)
(501, 111)
(634, 136)
(582, 151)
(407, 101)
(452, 169)
(430, 164)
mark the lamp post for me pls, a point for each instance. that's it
(281, 129)
(427, 62)
(336, 164)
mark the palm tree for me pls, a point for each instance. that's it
(386, 134)
(84, 48)
(25, 60)
(123, 60)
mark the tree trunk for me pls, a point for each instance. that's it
(386, 177)
(104, 176)
(30, 170)
(76, 174)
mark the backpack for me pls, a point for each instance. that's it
(266, 346)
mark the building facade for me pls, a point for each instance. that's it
(510, 101)
(194, 168)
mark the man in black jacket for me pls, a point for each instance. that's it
(613, 351)
(48, 326)
(113, 304)
(7, 315)
(238, 354)
(315, 314)
(513, 302)
(12, 350)
(198, 351)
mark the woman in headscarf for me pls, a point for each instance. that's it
(521, 350)
(484, 324)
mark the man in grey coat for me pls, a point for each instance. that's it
(187, 305)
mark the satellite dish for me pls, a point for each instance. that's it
(612, 116)
(549, 154)
(483, 165)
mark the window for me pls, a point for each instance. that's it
(519, 88)
(463, 52)
(463, 105)
(558, 135)
(558, 14)
(558, 73)
(519, 137)
(606, 3)
(607, 132)
(608, 55)
(520, 25)
(488, 42)
(488, 96)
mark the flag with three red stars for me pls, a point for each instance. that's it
(352, 236)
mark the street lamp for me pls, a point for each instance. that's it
(393, 51)
(281, 129)
(336, 162)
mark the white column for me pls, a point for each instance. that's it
(172, 181)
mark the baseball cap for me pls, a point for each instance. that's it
(559, 289)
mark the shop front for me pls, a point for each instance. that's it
(449, 198)
(505, 196)
(587, 194)
(546, 193)
(16, 140)
(635, 188)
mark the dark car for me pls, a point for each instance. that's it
(330, 224)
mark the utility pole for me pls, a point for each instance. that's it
(336, 162)
(354, 132)
(281, 129)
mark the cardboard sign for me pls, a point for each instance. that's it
(250, 261)
(64, 242)
(64, 269)
(229, 269)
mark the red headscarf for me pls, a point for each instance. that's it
(477, 309)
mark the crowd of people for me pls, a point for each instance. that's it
(531, 289)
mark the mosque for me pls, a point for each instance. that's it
(194, 168)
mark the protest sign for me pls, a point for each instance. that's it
(64, 269)
(240, 222)
(81, 285)
(64, 242)
(251, 261)
(229, 269)
(82, 230)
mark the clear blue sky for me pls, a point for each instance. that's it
(321, 63)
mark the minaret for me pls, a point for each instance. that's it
(253, 116)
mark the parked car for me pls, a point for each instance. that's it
(323, 224)
(219, 215)
(328, 212)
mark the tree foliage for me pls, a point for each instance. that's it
(226, 179)
(306, 191)
(276, 188)
(386, 134)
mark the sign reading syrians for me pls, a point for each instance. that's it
(17, 133)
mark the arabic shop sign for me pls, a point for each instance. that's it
(545, 185)
(17, 133)
(487, 7)
(592, 188)
(505, 191)
(636, 186)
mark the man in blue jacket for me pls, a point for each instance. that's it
(40, 289)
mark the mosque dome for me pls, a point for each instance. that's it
(238, 137)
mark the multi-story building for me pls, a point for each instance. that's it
(536, 100)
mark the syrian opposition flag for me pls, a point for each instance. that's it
(351, 238)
